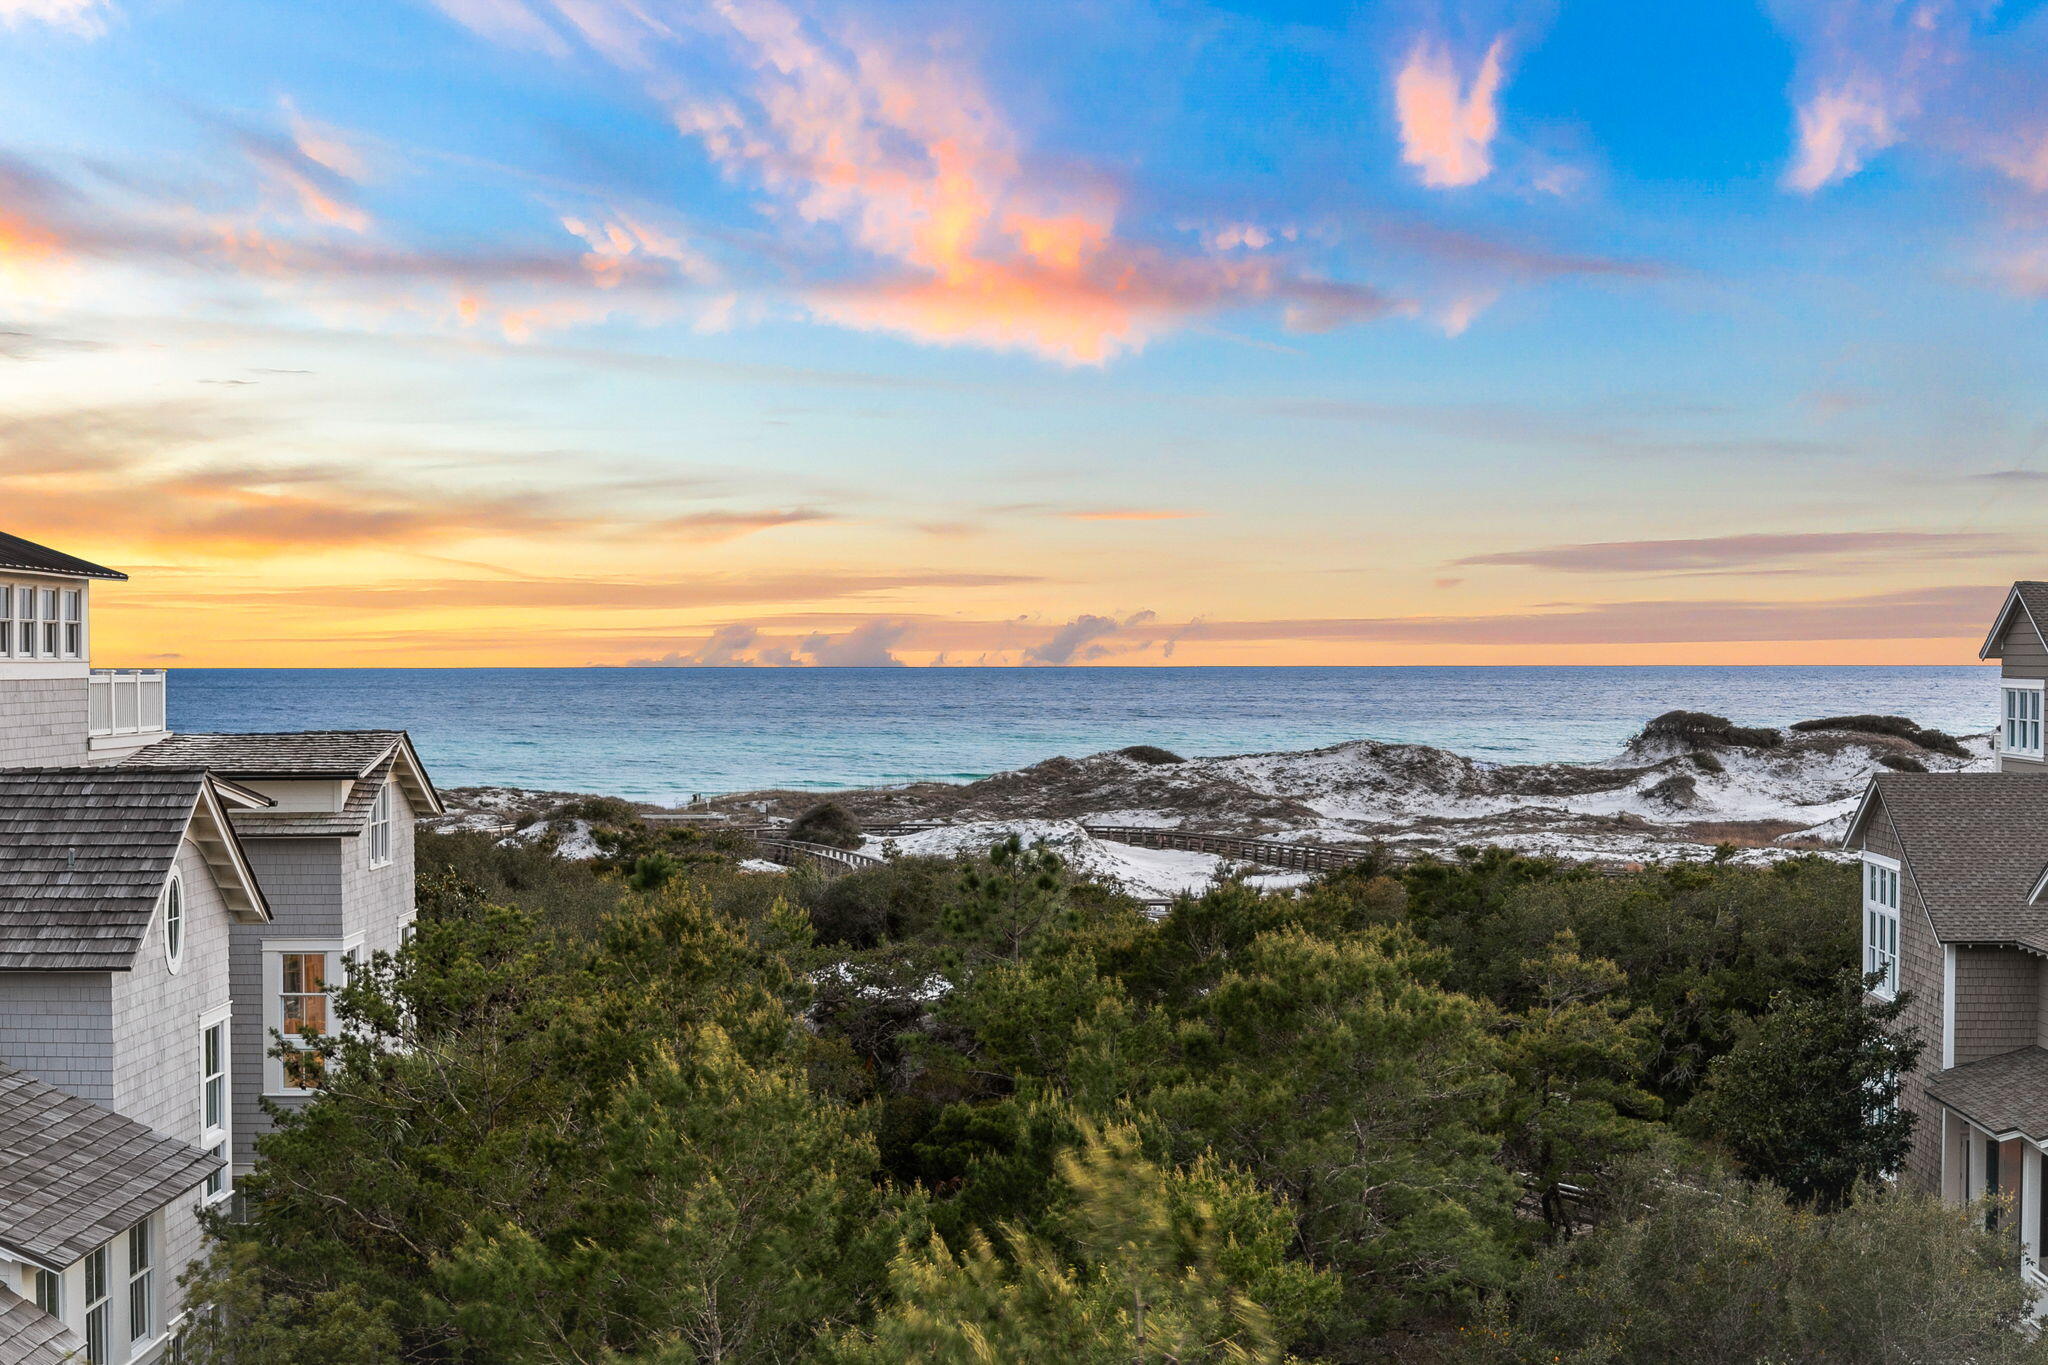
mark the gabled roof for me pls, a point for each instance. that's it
(1977, 844)
(2004, 1095)
(306, 754)
(85, 852)
(348, 822)
(29, 1336)
(73, 1175)
(19, 554)
(2027, 601)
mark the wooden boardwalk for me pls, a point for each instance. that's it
(1265, 852)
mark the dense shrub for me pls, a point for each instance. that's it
(1705, 728)
(1149, 753)
(901, 899)
(1901, 763)
(1898, 727)
(827, 823)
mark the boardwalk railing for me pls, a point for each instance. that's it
(834, 861)
(1265, 852)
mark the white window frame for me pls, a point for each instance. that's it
(99, 1335)
(341, 954)
(47, 1290)
(2033, 1197)
(2020, 718)
(1881, 897)
(379, 832)
(173, 897)
(142, 1285)
(42, 621)
(218, 1137)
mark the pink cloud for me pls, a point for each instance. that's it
(1447, 124)
(1839, 129)
(900, 151)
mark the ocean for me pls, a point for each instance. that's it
(658, 734)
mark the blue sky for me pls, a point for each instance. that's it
(771, 332)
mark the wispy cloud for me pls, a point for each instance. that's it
(1133, 514)
(1448, 121)
(86, 18)
(1719, 553)
(962, 235)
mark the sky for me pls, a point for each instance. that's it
(1129, 332)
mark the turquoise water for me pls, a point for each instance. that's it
(663, 734)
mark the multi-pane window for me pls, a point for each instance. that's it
(217, 1183)
(302, 985)
(380, 827)
(141, 1282)
(302, 1000)
(1881, 925)
(50, 1293)
(2022, 732)
(41, 623)
(26, 637)
(213, 1101)
(98, 1314)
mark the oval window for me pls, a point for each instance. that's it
(174, 922)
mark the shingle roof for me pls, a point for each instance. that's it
(2003, 1094)
(84, 853)
(354, 755)
(2028, 596)
(1977, 844)
(73, 1175)
(310, 753)
(29, 1336)
(351, 820)
(16, 553)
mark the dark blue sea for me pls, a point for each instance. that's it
(663, 734)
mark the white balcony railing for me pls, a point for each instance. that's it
(126, 701)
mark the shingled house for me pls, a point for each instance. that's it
(170, 905)
(1955, 916)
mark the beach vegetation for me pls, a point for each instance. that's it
(1486, 1107)
(827, 823)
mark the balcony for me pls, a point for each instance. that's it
(126, 701)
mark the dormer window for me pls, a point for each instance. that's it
(1881, 923)
(2021, 734)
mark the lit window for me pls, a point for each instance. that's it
(141, 1282)
(97, 1312)
(174, 922)
(1881, 924)
(2022, 730)
(380, 827)
(300, 978)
